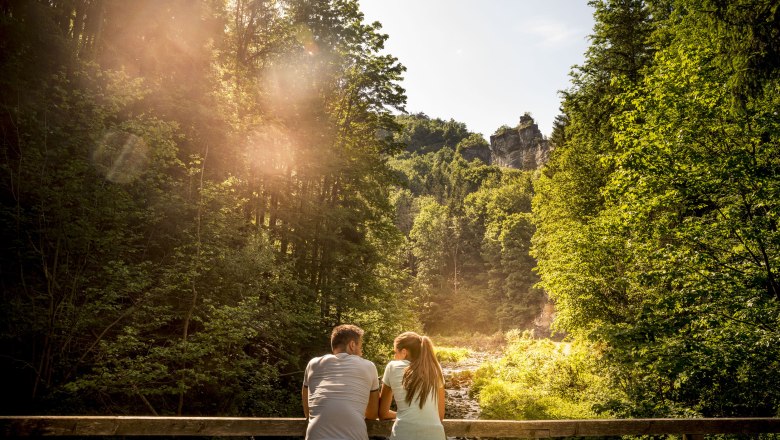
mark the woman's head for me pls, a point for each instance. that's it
(423, 375)
(410, 342)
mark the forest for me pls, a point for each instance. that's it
(194, 192)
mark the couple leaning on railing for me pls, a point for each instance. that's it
(341, 390)
(342, 399)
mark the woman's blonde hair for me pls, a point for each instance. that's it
(423, 375)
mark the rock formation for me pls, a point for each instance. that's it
(481, 152)
(522, 147)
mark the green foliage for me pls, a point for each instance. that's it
(710, 245)
(473, 141)
(538, 379)
(655, 227)
(430, 235)
(502, 129)
(421, 134)
(192, 194)
(502, 211)
(230, 350)
(468, 241)
(474, 341)
(452, 354)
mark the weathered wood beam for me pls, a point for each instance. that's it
(35, 426)
(607, 427)
(142, 426)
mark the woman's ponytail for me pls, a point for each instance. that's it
(423, 376)
(431, 364)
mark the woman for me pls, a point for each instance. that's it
(416, 381)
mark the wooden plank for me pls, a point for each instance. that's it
(496, 428)
(144, 426)
(37, 426)
(607, 427)
(379, 428)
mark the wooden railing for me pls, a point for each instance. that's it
(36, 426)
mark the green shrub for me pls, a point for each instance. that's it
(474, 341)
(539, 379)
(452, 354)
(511, 401)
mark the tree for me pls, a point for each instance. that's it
(703, 248)
(164, 212)
(422, 135)
(667, 253)
(568, 193)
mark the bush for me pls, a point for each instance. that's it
(452, 354)
(539, 379)
(474, 341)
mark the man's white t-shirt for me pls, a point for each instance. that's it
(339, 388)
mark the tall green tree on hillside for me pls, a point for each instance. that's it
(422, 135)
(569, 191)
(672, 265)
(502, 211)
(704, 250)
(468, 239)
(171, 219)
(88, 179)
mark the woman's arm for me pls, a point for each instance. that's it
(441, 403)
(385, 399)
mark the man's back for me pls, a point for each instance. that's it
(339, 388)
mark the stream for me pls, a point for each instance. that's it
(457, 382)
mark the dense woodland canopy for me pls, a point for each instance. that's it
(468, 231)
(657, 215)
(192, 193)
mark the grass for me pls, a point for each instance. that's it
(472, 341)
(452, 354)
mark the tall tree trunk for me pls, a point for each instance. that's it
(196, 270)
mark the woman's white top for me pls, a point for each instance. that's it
(412, 422)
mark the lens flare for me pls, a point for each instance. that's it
(305, 37)
(271, 150)
(120, 157)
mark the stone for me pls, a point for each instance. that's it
(523, 147)
(480, 152)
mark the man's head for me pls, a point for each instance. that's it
(347, 338)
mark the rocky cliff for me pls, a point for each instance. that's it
(523, 147)
(481, 152)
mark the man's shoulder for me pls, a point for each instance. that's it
(363, 362)
(330, 359)
(318, 359)
(366, 361)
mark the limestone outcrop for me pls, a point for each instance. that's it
(523, 147)
(481, 152)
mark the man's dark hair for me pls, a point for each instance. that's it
(343, 334)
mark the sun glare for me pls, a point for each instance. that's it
(120, 157)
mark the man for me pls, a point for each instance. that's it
(340, 390)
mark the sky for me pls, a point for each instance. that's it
(485, 62)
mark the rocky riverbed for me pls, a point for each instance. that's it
(457, 382)
(458, 377)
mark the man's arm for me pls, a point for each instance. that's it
(305, 400)
(372, 410)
